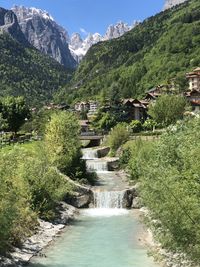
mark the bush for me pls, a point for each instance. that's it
(168, 172)
(47, 187)
(118, 136)
(16, 217)
(30, 188)
(104, 121)
(136, 126)
(62, 140)
(149, 125)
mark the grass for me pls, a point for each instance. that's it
(29, 146)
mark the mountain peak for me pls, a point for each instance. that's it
(117, 30)
(10, 25)
(79, 47)
(28, 12)
(45, 34)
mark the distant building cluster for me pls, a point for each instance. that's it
(53, 106)
(133, 109)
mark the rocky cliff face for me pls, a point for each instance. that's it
(45, 34)
(115, 31)
(9, 24)
(79, 47)
(171, 3)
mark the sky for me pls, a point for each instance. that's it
(90, 16)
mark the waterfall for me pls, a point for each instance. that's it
(108, 200)
(106, 203)
(93, 161)
(89, 153)
(97, 165)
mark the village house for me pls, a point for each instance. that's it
(82, 106)
(194, 99)
(53, 106)
(88, 106)
(194, 79)
(152, 94)
(94, 105)
(136, 109)
(193, 95)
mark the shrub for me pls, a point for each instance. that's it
(136, 126)
(118, 136)
(168, 173)
(62, 140)
(149, 125)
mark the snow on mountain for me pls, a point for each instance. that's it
(46, 35)
(79, 47)
(171, 3)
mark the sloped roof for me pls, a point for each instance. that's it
(197, 69)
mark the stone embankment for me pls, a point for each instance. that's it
(83, 195)
(131, 199)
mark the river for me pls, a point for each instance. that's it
(104, 236)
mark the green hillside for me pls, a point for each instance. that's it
(25, 71)
(161, 48)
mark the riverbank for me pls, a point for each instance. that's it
(45, 234)
(162, 256)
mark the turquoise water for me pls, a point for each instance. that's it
(99, 238)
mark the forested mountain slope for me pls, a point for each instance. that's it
(25, 71)
(161, 48)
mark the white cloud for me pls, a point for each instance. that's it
(84, 31)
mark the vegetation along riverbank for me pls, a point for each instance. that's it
(168, 175)
(32, 186)
(93, 139)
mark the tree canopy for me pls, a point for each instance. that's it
(168, 109)
(13, 112)
(62, 139)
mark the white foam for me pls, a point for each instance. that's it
(103, 212)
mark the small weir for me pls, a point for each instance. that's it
(108, 200)
(103, 236)
(93, 162)
(90, 153)
(97, 165)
